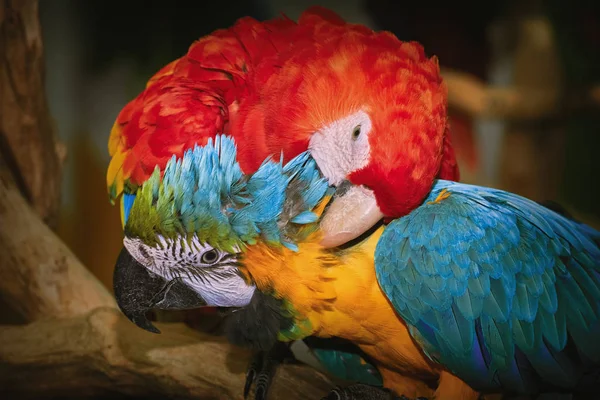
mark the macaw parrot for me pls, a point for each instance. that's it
(164, 211)
(477, 289)
(279, 86)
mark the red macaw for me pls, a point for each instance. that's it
(284, 87)
(281, 87)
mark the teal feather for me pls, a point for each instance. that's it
(305, 217)
(348, 366)
(290, 246)
(496, 287)
(206, 194)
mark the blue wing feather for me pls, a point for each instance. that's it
(496, 287)
(128, 200)
(348, 366)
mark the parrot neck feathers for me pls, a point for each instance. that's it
(206, 194)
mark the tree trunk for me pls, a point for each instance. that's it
(27, 141)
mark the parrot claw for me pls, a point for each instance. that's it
(361, 391)
(262, 369)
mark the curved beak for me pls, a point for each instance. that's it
(137, 291)
(352, 212)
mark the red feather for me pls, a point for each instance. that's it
(273, 84)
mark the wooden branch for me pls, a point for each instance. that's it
(39, 276)
(103, 353)
(27, 141)
(471, 95)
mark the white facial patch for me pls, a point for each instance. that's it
(342, 146)
(212, 273)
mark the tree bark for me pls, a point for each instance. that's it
(27, 141)
(103, 353)
(39, 276)
(76, 343)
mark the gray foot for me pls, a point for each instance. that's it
(262, 369)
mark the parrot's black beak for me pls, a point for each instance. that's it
(137, 291)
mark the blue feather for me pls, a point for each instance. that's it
(290, 246)
(348, 366)
(305, 217)
(205, 193)
(128, 200)
(492, 285)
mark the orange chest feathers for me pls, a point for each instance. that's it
(337, 293)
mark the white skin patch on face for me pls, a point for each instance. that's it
(342, 146)
(212, 273)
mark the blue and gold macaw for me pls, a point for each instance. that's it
(194, 195)
(475, 291)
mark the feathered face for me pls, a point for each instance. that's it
(205, 269)
(185, 233)
(372, 111)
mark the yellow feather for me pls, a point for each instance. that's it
(114, 140)
(114, 175)
(339, 294)
(321, 206)
(116, 149)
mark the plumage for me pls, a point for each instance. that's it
(313, 287)
(258, 324)
(272, 85)
(337, 295)
(344, 360)
(524, 287)
(204, 194)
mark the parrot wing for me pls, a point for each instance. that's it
(497, 288)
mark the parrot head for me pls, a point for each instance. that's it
(372, 112)
(185, 232)
(369, 108)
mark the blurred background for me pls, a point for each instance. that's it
(99, 54)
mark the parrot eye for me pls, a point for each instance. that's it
(210, 257)
(356, 132)
(143, 251)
